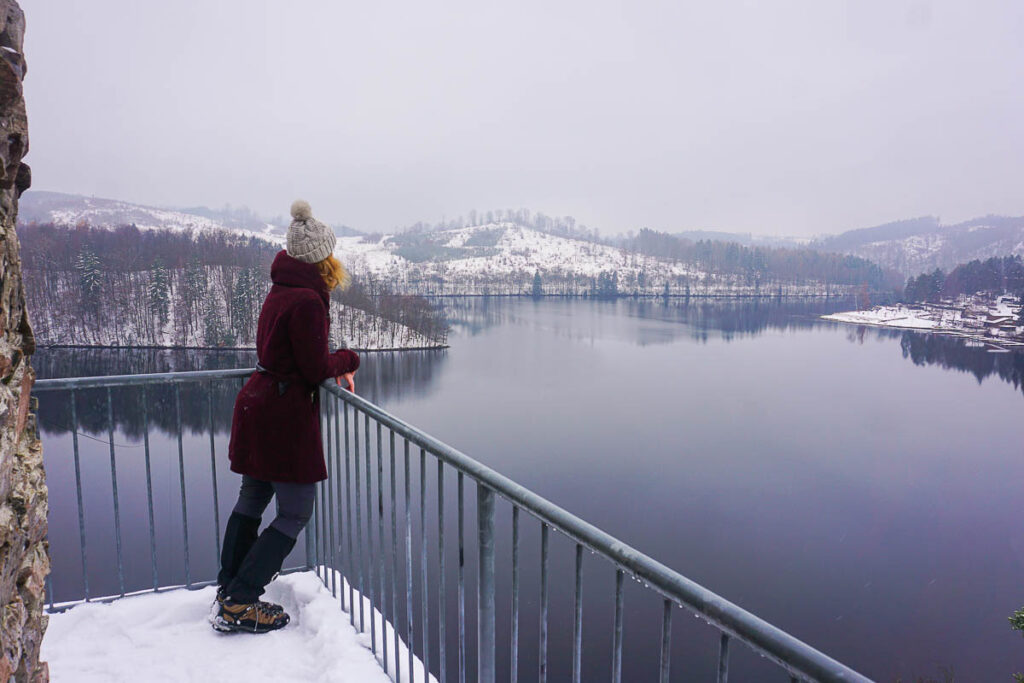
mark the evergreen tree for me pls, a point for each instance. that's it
(538, 289)
(159, 291)
(192, 295)
(607, 285)
(90, 278)
(195, 281)
(215, 332)
(926, 286)
(244, 299)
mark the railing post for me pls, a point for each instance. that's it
(181, 472)
(310, 540)
(485, 585)
(78, 493)
(723, 659)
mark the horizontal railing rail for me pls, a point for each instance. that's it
(357, 549)
(65, 383)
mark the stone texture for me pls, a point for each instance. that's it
(6, 668)
(24, 552)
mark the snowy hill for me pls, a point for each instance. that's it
(71, 209)
(924, 244)
(497, 257)
(504, 258)
(496, 249)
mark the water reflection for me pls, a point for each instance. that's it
(696, 318)
(732, 318)
(469, 316)
(729, 319)
(404, 375)
(949, 352)
(94, 362)
(953, 353)
(383, 376)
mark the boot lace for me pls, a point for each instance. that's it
(262, 614)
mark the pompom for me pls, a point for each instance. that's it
(301, 210)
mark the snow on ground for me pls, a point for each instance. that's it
(888, 316)
(168, 636)
(65, 209)
(363, 255)
(967, 317)
(517, 249)
(502, 258)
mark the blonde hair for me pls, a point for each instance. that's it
(333, 273)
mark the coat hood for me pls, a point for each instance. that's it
(290, 272)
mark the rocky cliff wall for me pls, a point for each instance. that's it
(24, 558)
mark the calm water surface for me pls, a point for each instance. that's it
(858, 488)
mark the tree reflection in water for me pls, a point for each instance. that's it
(394, 375)
(383, 376)
(956, 353)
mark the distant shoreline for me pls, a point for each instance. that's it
(991, 341)
(640, 296)
(917, 325)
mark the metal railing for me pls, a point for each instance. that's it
(98, 395)
(363, 550)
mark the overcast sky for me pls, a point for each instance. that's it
(786, 117)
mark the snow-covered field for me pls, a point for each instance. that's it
(167, 637)
(971, 317)
(886, 316)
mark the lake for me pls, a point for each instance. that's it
(856, 487)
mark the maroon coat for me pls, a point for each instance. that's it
(275, 434)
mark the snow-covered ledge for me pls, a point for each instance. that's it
(167, 635)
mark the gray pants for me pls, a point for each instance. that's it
(294, 503)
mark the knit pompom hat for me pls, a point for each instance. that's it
(309, 240)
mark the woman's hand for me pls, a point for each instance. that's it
(350, 380)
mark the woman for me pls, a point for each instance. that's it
(275, 431)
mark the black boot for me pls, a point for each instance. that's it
(263, 561)
(239, 537)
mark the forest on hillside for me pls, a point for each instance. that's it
(561, 226)
(994, 276)
(766, 264)
(131, 287)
